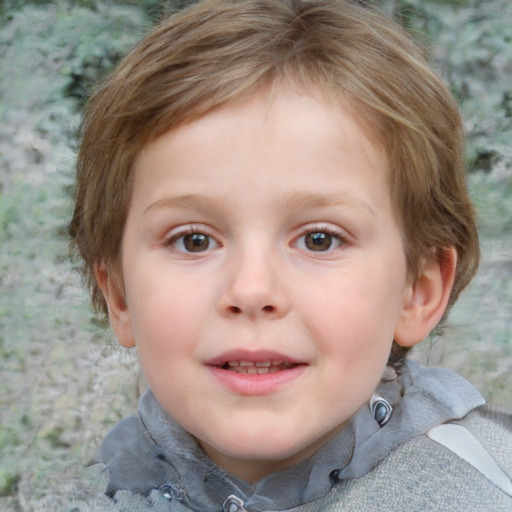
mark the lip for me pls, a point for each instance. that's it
(258, 356)
(255, 384)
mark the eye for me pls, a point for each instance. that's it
(319, 241)
(192, 242)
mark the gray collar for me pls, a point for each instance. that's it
(421, 397)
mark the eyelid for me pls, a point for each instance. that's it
(323, 227)
(178, 232)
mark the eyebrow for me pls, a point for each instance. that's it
(302, 199)
(293, 199)
(183, 201)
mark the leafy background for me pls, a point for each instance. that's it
(64, 381)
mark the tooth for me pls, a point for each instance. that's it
(233, 363)
(252, 370)
(276, 362)
(273, 369)
(264, 364)
(246, 363)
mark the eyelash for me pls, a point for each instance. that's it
(172, 240)
(334, 233)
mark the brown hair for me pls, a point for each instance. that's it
(216, 50)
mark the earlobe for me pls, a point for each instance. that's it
(118, 312)
(427, 299)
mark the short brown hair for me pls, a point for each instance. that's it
(217, 50)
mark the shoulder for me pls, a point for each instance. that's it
(83, 490)
(493, 427)
(424, 474)
(132, 459)
(483, 438)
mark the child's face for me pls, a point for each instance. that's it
(264, 276)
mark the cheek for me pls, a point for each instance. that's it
(356, 313)
(166, 311)
(167, 323)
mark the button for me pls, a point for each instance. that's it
(170, 493)
(334, 477)
(381, 409)
(233, 504)
(166, 491)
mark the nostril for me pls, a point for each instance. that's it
(235, 310)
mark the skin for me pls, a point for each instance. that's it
(264, 232)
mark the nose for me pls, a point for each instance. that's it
(255, 286)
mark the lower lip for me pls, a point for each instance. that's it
(257, 384)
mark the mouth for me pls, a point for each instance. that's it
(255, 373)
(257, 368)
(254, 363)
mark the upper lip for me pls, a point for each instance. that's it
(259, 356)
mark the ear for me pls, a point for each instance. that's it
(426, 300)
(118, 312)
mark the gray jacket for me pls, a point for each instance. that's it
(442, 450)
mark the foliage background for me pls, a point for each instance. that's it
(64, 381)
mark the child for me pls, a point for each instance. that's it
(271, 207)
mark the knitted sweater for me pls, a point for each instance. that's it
(442, 450)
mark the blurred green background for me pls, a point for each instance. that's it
(64, 381)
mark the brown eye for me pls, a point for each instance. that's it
(318, 241)
(196, 242)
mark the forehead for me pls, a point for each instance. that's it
(278, 146)
(281, 116)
